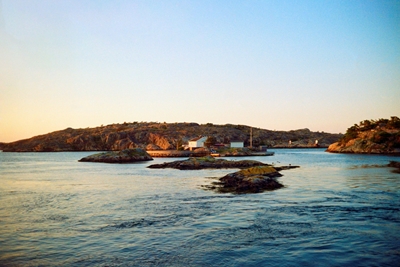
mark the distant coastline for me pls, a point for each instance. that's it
(166, 136)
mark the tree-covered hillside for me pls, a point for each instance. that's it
(370, 136)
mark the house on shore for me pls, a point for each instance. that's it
(197, 142)
(237, 144)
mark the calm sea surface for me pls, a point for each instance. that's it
(336, 210)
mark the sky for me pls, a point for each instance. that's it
(277, 65)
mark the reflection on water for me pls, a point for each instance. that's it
(336, 210)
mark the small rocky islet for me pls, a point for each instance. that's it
(207, 162)
(252, 180)
(123, 156)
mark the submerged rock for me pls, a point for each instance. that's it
(207, 162)
(124, 156)
(251, 180)
(395, 164)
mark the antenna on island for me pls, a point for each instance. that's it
(251, 137)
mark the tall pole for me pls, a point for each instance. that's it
(251, 137)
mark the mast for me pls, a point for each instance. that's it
(251, 137)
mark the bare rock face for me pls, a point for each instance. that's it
(160, 141)
(359, 146)
(124, 156)
(122, 144)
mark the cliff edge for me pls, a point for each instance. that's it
(370, 137)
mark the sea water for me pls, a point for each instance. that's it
(335, 210)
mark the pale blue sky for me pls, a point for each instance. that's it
(278, 65)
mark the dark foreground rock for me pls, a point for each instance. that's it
(251, 180)
(124, 156)
(207, 162)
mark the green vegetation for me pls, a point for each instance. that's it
(381, 137)
(259, 170)
(226, 150)
(351, 133)
(204, 159)
(211, 140)
(393, 123)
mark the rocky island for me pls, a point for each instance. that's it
(370, 137)
(252, 180)
(153, 136)
(124, 156)
(207, 162)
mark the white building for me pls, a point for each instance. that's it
(237, 144)
(197, 142)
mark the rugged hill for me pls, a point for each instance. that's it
(370, 137)
(153, 136)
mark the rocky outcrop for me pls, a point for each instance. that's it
(164, 136)
(160, 141)
(361, 146)
(251, 180)
(124, 156)
(207, 162)
(370, 137)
